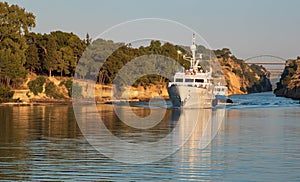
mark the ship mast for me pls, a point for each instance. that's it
(193, 49)
(194, 61)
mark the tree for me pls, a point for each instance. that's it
(88, 40)
(61, 38)
(15, 22)
(78, 47)
(226, 52)
(155, 46)
(51, 57)
(66, 61)
(32, 58)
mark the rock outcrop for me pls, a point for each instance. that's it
(289, 84)
(242, 78)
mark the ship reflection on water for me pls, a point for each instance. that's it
(178, 129)
(119, 140)
(205, 123)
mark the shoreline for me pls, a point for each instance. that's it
(42, 102)
(97, 100)
(36, 102)
(70, 101)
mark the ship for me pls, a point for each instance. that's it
(194, 87)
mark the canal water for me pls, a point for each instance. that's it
(258, 140)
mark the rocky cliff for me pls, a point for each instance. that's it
(289, 84)
(240, 77)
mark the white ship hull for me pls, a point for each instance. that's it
(194, 87)
(191, 97)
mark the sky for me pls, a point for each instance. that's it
(248, 27)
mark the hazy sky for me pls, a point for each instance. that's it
(248, 28)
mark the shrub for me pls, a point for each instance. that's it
(61, 83)
(250, 76)
(237, 72)
(36, 86)
(243, 89)
(286, 80)
(6, 94)
(228, 65)
(51, 91)
(74, 89)
(68, 84)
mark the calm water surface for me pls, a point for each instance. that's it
(258, 141)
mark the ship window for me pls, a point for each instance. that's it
(199, 80)
(189, 80)
(179, 80)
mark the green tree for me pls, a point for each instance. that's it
(15, 23)
(88, 40)
(155, 47)
(51, 57)
(32, 58)
(78, 46)
(66, 61)
(61, 38)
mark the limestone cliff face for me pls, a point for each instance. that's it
(106, 92)
(242, 78)
(289, 84)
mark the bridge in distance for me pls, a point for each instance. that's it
(274, 64)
